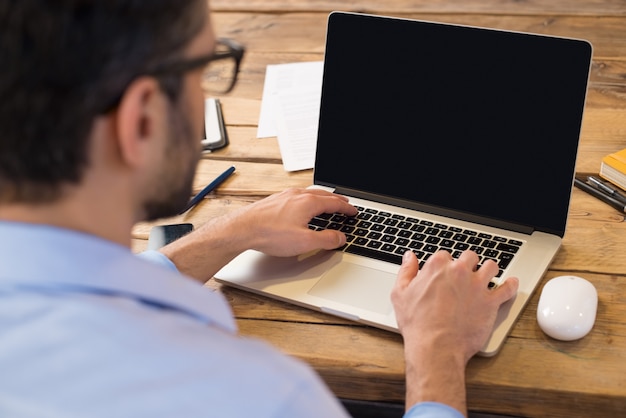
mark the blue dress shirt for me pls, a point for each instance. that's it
(87, 329)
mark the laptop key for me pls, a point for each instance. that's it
(346, 229)
(364, 216)
(477, 250)
(352, 220)
(402, 242)
(429, 248)
(491, 253)
(388, 238)
(361, 241)
(338, 218)
(474, 240)
(390, 222)
(378, 227)
(416, 245)
(460, 237)
(505, 260)
(489, 244)
(401, 250)
(447, 243)
(404, 225)
(374, 244)
(507, 248)
(318, 222)
(374, 235)
(372, 253)
(433, 240)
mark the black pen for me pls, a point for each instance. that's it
(599, 184)
(208, 189)
(600, 195)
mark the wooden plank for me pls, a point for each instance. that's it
(250, 179)
(594, 239)
(305, 32)
(609, 71)
(509, 7)
(245, 146)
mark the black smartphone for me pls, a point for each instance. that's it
(162, 235)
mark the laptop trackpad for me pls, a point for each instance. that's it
(355, 285)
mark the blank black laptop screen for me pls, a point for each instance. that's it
(476, 121)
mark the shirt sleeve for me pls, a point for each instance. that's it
(159, 258)
(432, 410)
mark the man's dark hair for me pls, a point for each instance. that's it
(64, 62)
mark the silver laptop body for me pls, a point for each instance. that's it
(468, 127)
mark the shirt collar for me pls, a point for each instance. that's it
(48, 257)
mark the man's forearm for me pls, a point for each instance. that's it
(205, 251)
(435, 373)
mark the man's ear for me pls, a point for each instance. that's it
(140, 116)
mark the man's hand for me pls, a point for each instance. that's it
(445, 313)
(280, 222)
(276, 225)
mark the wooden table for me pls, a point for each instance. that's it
(533, 375)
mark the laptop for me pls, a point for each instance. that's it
(447, 131)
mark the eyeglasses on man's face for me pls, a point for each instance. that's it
(221, 67)
(220, 75)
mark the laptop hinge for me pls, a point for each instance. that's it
(435, 210)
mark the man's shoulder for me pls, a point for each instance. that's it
(162, 356)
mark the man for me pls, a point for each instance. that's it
(98, 130)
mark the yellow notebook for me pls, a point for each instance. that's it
(613, 168)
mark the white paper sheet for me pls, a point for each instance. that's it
(283, 79)
(297, 114)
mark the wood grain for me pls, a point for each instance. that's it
(500, 7)
(533, 375)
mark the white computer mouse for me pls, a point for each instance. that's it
(567, 308)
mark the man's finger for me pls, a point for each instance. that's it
(408, 269)
(507, 289)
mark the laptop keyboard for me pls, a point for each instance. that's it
(386, 236)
